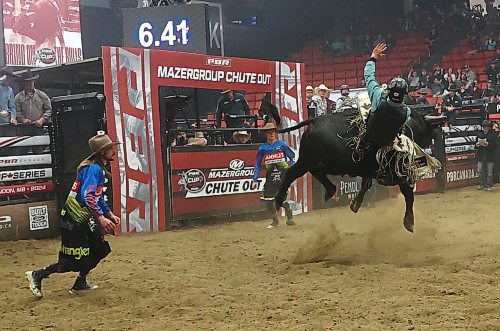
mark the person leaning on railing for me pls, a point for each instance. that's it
(33, 108)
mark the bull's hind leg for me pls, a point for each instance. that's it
(292, 173)
(330, 188)
(358, 200)
(407, 192)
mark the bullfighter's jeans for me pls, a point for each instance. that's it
(485, 170)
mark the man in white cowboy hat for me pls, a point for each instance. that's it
(274, 154)
(324, 106)
(85, 219)
(34, 108)
(242, 137)
(8, 111)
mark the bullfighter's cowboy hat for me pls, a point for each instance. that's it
(29, 75)
(268, 127)
(100, 142)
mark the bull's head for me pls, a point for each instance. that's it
(422, 128)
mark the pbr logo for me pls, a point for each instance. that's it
(192, 180)
(39, 218)
(218, 62)
(46, 55)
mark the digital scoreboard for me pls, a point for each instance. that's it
(195, 28)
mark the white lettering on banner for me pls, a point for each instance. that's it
(213, 75)
(6, 176)
(461, 128)
(349, 187)
(459, 149)
(20, 160)
(227, 187)
(460, 140)
(227, 173)
(218, 62)
(459, 175)
(135, 158)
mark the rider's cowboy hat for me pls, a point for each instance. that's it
(100, 142)
(240, 133)
(267, 127)
(29, 75)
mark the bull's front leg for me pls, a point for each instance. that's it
(358, 200)
(407, 192)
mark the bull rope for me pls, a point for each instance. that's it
(356, 143)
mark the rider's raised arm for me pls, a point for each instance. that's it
(375, 92)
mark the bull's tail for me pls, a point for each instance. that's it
(298, 126)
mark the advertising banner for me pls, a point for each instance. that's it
(25, 160)
(461, 175)
(41, 33)
(133, 77)
(219, 183)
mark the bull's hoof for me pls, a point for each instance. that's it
(354, 206)
(408, 223)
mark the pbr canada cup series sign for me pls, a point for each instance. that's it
(43, 32)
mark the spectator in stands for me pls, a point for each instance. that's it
(487, 142)
(488, 92)
(491, 70)
(242, 137)
(311, 105)
(345, 100)
(470, 75)
(410, 99)
(389, 40)
(324, 105)
(437, 88)
(449, 76)
(413, 80)
(422, 97)
(197, 140)
(425, 79)
(451, 103)
(234, 107)
(464, 93)
(432, 38)
(490, 44)
(438, 73)
(476, 91)
(8, 112)
(378, 40)
(34, 109)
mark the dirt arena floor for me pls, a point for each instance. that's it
(333, 271)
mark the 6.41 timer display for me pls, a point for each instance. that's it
(169, 34)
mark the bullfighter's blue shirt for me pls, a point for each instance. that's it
(275, 154)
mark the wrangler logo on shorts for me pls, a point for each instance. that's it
(77, 252)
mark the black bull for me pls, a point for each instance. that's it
(324, 149)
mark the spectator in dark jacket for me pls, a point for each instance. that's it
(486, 145)
(425, 79)
(491, 71)
(451, 103)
